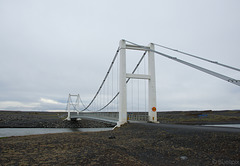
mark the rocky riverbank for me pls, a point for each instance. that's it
(17, 119)
(132, 144)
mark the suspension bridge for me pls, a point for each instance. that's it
(121, 92)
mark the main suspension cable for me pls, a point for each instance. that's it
(83, 103)
(218, 75)
(215, 74)
(204, 59)
(103, 80)
(126, 82)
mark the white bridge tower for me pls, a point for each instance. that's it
(152, 114)
(75, 105)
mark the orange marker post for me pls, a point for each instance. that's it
(154, 109)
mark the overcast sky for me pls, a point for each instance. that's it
(51, 48)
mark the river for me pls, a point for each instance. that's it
(8, 132)
(226, 125)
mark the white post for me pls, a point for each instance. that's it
(68, 107)
(77, 104)
(122, 85)
(151, 86)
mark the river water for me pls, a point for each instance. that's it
(8, 132)
(226, 125)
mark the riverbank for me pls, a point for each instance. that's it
(21, 119)
(132, 144)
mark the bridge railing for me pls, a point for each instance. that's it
(133, 116)
(105, 115)
(137, 117)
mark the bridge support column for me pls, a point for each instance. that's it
(68, 108)
(152, 113)
(122, 85)
(74, 105)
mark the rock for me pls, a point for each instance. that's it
(112, 137)
(183, 157)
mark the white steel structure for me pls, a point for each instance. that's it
(75, 105)
(152, 114)
(124, 77)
